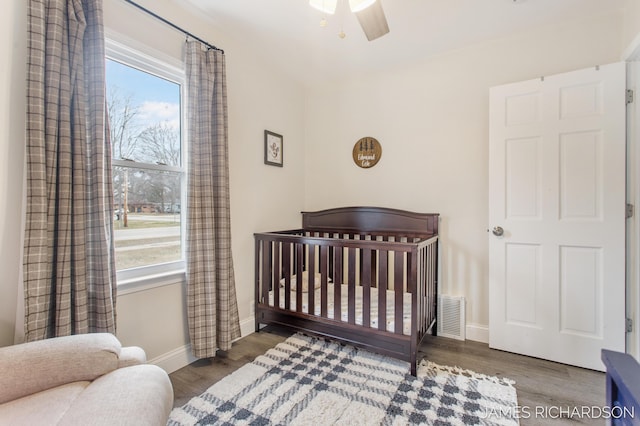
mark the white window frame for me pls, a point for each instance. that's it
(135, 55)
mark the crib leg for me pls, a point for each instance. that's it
(413, 359)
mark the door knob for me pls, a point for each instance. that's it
(498, 231)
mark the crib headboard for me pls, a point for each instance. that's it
(371, 219)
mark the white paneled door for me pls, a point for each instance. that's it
(557, 216)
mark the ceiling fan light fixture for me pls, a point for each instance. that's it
(326, 6)
(358, 5)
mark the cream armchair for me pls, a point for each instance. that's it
(87, 379)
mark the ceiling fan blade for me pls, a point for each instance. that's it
(373, 22)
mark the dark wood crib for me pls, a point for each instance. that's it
(367, 276)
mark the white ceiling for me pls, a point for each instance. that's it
(288, 31)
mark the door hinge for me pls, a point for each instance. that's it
(629, 325)
(629, 211)
(629, 96)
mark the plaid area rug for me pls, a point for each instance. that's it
(311, 381)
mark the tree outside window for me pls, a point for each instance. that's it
(145, 125)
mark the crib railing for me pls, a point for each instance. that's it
(427, 291)
(380, 266)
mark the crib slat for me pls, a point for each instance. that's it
(428, 285)
(266, 271)
(276, 274)
(286, 266)
(374, 266)
(366, 287)
(299, 269)
(351, 282)
(311, 266)
(323, 281)
(337, 283)
(412, 274)
(398, 288)
(331, 259)
(422, 283)
(383, 278)
(433, 282)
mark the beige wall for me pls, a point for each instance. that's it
(631, 25)
(432, 121)
(13, 31)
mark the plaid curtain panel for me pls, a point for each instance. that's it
(212, 307)
(69, 267)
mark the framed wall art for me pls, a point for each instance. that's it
(273, 146)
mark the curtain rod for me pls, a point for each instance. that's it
(174, 26)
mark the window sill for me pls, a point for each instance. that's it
(147, 282)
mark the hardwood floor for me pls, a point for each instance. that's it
(545, 389)
(541, 385)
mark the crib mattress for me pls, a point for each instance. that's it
(390, 322)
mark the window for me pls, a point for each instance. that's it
(144, 100)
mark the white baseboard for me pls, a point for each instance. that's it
(477, 333)
(175, 359)
(181, 357)
(248, 326)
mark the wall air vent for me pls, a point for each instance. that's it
(451, 317)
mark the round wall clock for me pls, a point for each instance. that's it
(367, 152)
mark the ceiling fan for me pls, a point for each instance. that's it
(369, 13)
